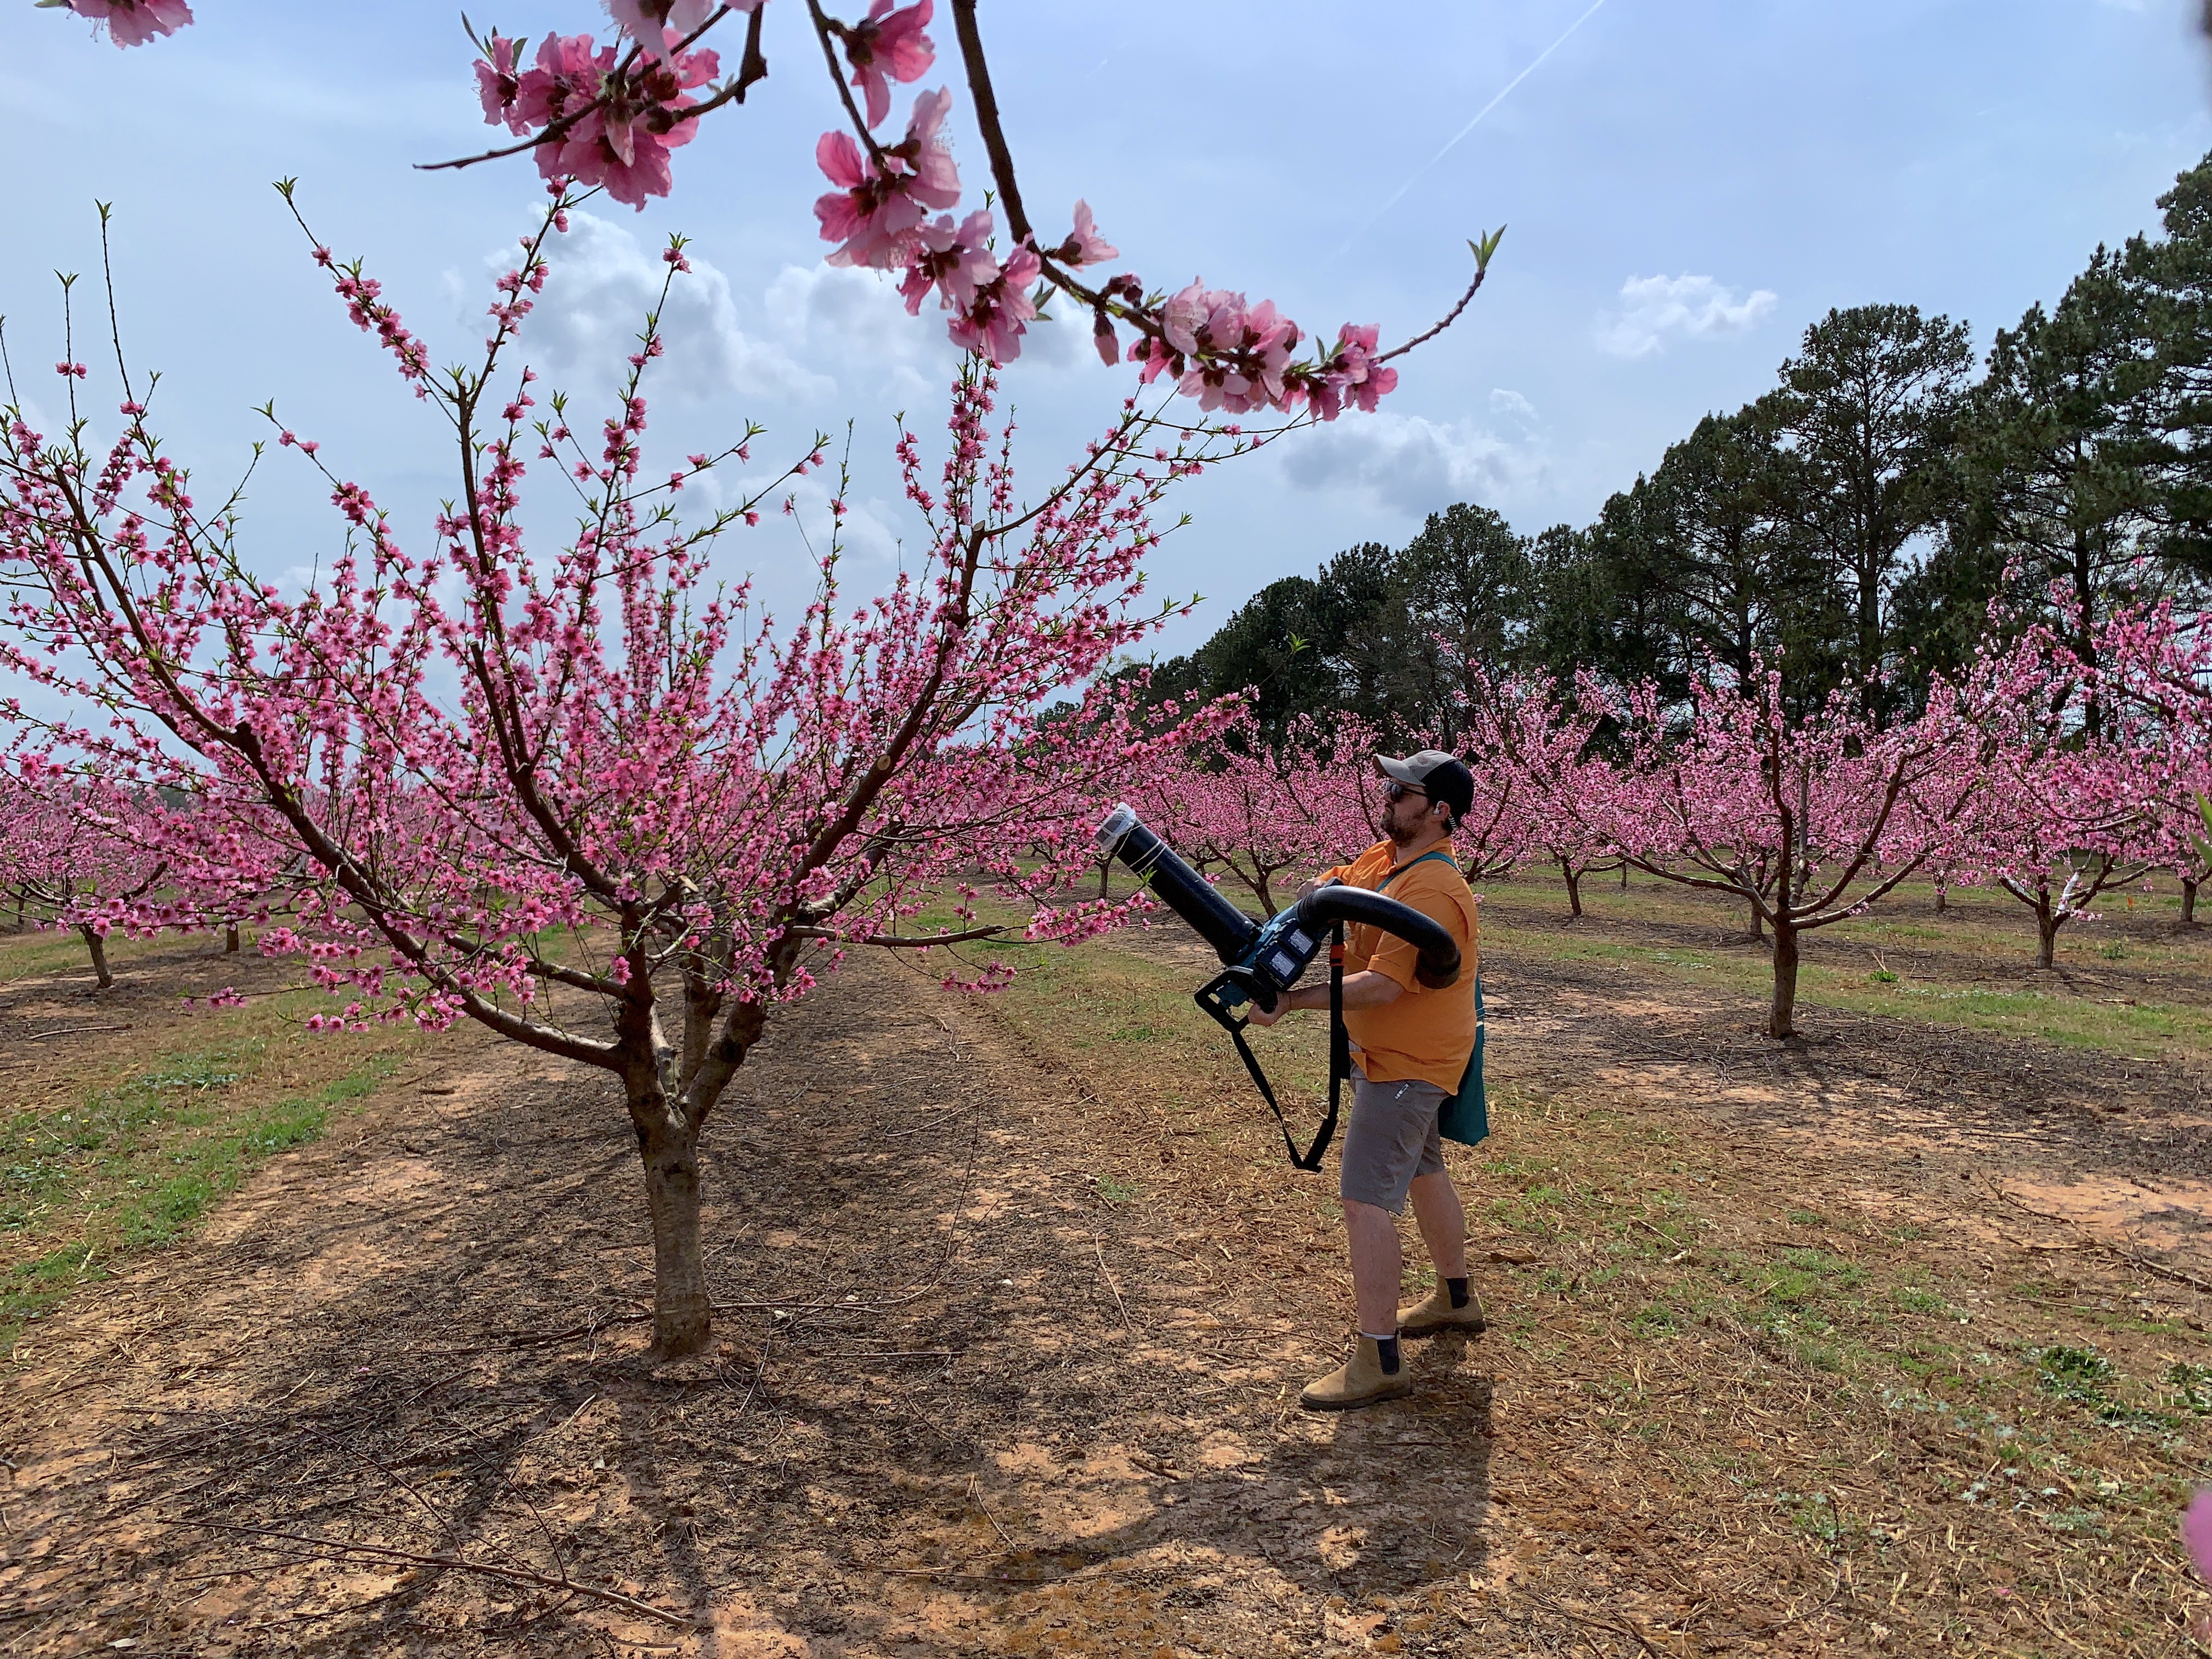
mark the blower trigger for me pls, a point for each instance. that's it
(1228, 990)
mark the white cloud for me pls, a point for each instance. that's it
(1503, 400)
(869, 534)
(1413, 463)
(603, 281)
(853, 325)
(1653, 308)
(1061, 339)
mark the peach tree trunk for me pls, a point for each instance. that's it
(1574, 878)
(98, 947)
(668, 1144)
(1782, 1017)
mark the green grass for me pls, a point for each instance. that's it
(1859, 1385)
(1965, 968)
(41, 1153)
(132, 1167)
(38, 954)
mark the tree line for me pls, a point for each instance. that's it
(1850, 527)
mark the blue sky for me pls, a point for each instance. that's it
(1687, 185)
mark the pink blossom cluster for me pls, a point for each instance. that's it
(133, 22)
(639, 777)
(2101, 758)
(1237, 357)
(370, 313)
(601, 117)
(882, 195)
(1533, 739)
(612, 116)
(888, 45)
(1266, 814)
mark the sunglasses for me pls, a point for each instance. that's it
(1395, 791)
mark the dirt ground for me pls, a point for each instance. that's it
(1011, 1346)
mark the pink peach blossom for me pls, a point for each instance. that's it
(878, 205)
(569, 72)
(133, 22)
(497, 83)
(871, 213)
(956, 261)
(994, 324)
(624, 144)
(889, 43)
(936, 180)
(656, 25)
(1084, 246)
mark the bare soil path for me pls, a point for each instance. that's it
(420, 1335)
(1012, 1344)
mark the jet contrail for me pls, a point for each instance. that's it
(1504, 93)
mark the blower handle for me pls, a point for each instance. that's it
(1439, 962)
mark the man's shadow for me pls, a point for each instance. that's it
(1384, 1500)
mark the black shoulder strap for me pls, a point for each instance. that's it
(1340, 1043)
(1438, 854)
(1340, 1065)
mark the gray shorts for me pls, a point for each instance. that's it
(1392, 1137)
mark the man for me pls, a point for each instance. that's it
(1410, 1047)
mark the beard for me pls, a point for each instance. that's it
(1400, 833)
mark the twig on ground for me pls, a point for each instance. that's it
(522, 1339)
(391, 1475)
(335, 1549)
(927, 1123)
(1108, 1276)
(1621, 1628)
(73, 1031)
(962, 1576)
(976, 1491)
(2097, 1243)
(329, 1612)
(759, 1370)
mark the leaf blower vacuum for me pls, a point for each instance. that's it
(1262, 961)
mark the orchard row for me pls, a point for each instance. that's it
(2063, 762)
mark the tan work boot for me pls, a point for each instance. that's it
(1434, 1314)
(1358, 1382)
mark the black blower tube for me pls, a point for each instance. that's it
(1232, 933)
(1439, 962)
(1181, 889)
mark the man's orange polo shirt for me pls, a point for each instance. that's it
(1425, 1033)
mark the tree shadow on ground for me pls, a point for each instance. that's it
(427, 1340)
